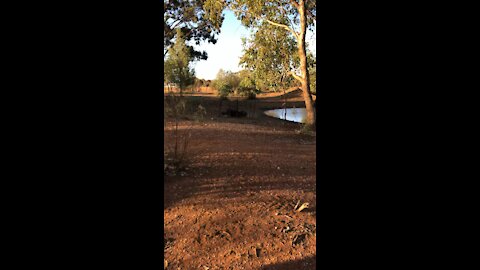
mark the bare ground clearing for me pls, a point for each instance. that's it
(233, 207)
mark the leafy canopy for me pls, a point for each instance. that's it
(270, 54)
(197, 20)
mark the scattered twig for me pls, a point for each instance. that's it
(304, 205)
(298, 203)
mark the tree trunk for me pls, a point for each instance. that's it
(307, 96)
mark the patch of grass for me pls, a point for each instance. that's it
(307, 130)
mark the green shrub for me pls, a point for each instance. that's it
(249, 92)
(224, 90)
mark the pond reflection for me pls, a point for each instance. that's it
(298, 115)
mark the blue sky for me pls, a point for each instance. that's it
(226, 53)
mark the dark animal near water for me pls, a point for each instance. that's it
(234, 113)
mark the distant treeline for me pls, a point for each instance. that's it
(196, 89)
(199, 85)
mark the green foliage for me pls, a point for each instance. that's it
(250, 93)
(224, 90)
(250, 12)
(176, 67)
(226, 83)
(213, 12)
(233, 80)
(197, 19)
(270, 54)
(247, 86)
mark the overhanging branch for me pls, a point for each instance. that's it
(283, 26)
(173, 26)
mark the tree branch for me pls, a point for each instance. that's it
(165, 52)
(311, 14)
(286, 15)
(283, 26)
(294, 3)
(175, 24)
(296, 77)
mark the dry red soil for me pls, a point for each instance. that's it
(233, 208)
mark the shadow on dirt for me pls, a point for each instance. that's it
(307, 263)
(230, 160)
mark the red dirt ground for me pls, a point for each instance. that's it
(233, 206)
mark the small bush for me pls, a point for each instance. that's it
(176, 158)
(200, 114)
(177, 154)
(174, 106)
(249, 92)
(224, 90)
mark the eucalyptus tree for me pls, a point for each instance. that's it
(198, 20)
(295, 16)
(269, 55)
